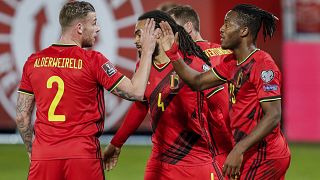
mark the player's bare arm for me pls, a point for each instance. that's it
(25, 105)
(270, 120)
(196, 80)
(134, 89)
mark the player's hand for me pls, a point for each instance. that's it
(110, 157)
(167, 37)
(232, 165)
(149, 36)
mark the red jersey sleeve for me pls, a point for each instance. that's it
(223, 69)
(25, 84)
(266, 78)
(105, 72)
(132, 121)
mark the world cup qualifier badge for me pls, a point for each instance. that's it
(27, 26)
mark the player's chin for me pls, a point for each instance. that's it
(224, 45)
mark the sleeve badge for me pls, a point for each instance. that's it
(267, 76)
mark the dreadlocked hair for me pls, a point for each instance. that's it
(186, 45)
(254, 17)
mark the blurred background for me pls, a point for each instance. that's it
(27, 26)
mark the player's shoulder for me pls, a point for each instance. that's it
(263, 57)
(38, 54)
(92, 55)
(229, 58)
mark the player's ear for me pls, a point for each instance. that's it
(244, 31)
(79, 27)
(188, 27)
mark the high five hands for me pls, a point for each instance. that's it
(167, 37)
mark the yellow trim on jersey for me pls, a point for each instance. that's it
(25, 93)
(215, 91)
(117, 84)
(165, 65)
(212, 176)
(62, 44)
(271, 99)
(248, 56)
(218, 51)
(216, 74)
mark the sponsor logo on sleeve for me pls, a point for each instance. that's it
(270, 87)
(109, 69)
(267, 76)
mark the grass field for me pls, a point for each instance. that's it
(14, 163)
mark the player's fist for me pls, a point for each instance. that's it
(110, 156)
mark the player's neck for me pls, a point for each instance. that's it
(243, 52)
(161, 58)
(69, 38)
(196, 37)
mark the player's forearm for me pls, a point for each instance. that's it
(25, 104)
(25, 129)
(196, 80)
(189, 75)
(132, 121)
(266, 125)
(141, 76)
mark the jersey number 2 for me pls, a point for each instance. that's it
(57, 98)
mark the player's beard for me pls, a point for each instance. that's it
(154, 54)
(87, 43)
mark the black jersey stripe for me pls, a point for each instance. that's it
(218, 171)
(102, 169)
(271, 98)
(63, 45)
(180, 148)
(261, 158)
(214, 91)
(116, 83)
(99, 123)
(167, 96)
(159, 69)
(25, 92)
(218, 75)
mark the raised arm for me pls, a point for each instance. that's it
(196, 80)
(134, 89)
(25, 105)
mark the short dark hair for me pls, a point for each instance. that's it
(185, 14)
(253, 17)
(186, 44)
(74, 10)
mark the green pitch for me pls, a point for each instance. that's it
(14, 163)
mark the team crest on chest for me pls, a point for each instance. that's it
(267, 76)
(174, 81)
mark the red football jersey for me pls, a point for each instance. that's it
(178, 120)
(218, 103)
(67, 83)
(254, 80)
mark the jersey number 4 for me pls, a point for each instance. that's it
(160, 103)
(56, 100)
